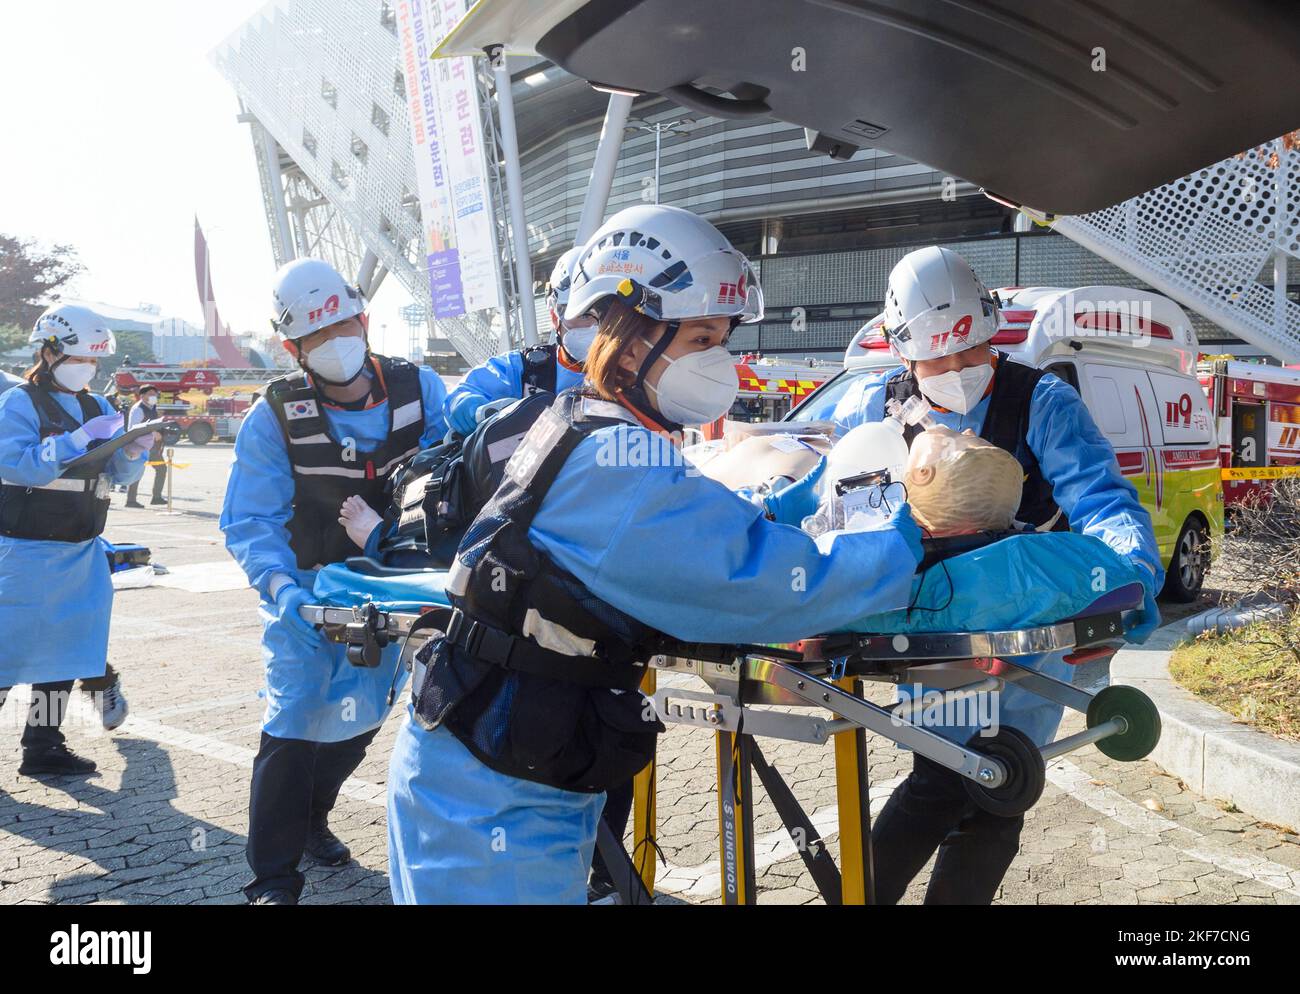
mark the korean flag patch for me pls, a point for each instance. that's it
(299, 409)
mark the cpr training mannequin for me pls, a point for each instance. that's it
(959, 483)
(956, 482)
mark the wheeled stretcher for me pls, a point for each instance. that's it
(811, 691)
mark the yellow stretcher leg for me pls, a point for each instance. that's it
(644, 813)
(735, 818)
(854, 812)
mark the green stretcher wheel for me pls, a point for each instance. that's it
(1137, 709)
(1026, 773)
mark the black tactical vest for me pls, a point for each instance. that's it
(536, 675)
(1005, 425)
(72, 508)
(325, 473)
(439, 491)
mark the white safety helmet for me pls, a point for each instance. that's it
(308, 295)
(935, 305)
(665, 263)
(561, 281)
(73, 330)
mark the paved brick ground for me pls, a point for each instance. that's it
(164, 821)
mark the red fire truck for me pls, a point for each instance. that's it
(219, 417)
(771, 386)
(1257, 410)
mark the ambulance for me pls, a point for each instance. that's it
(1257, 411)
(1132, 355)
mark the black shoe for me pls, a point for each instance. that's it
(158, 500)
(275, 897)
(601, 890)
(325, 847)
(134, 503)
(55, 761)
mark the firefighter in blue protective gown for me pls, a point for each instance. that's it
(334, 430)
(601, 539)
(549, 368)
(56, 592)
(939, 318)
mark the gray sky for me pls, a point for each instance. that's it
(118, 130)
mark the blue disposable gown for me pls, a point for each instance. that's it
(55, 597)
(1079, 463)
(681, 553)
(313, 694)
(500, 377)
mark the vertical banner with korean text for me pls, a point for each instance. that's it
(450, 169)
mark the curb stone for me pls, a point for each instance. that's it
(1214, 755)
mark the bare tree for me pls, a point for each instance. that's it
(1262, 552)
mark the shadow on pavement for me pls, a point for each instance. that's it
(133, 846)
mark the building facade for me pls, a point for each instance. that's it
(322, 87)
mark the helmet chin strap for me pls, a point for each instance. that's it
(637, 392)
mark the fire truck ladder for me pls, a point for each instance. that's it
(164, 376)
(1211, 240)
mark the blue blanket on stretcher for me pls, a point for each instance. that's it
(1038, 578)
(341, 586)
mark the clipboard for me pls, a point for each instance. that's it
(101, 453)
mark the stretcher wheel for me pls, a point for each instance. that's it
(1025, 773)
(1138, 710)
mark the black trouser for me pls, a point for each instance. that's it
(295, 782)
(618, 805)
(159, 478)
(930, 810)
(49, 706)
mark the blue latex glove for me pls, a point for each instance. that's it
(463, 417)
(98, 429)
(791, 505)
(287, 602)
(901, 521)
(1147, 619)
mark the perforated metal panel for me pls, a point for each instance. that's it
(1205, 240)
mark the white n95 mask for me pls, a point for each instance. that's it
(339, 360)
(74, 376)
(697, 388)
(959, 390)
(577, 340)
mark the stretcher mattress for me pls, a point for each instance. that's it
(354, 583)
(1018, 582)
(1038, 578)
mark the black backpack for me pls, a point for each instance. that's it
(436, 493)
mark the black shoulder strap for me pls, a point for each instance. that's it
(540, 363)
(1007, 420)
(405, 402)
(52, 415)
(554, 435)
(900, 388)
(401, 377)
(539, 459)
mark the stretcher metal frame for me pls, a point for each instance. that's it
(828, 676)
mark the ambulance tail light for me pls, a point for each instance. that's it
(1013, 327)
(1114, 321)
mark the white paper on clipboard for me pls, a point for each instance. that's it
(101, 453)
